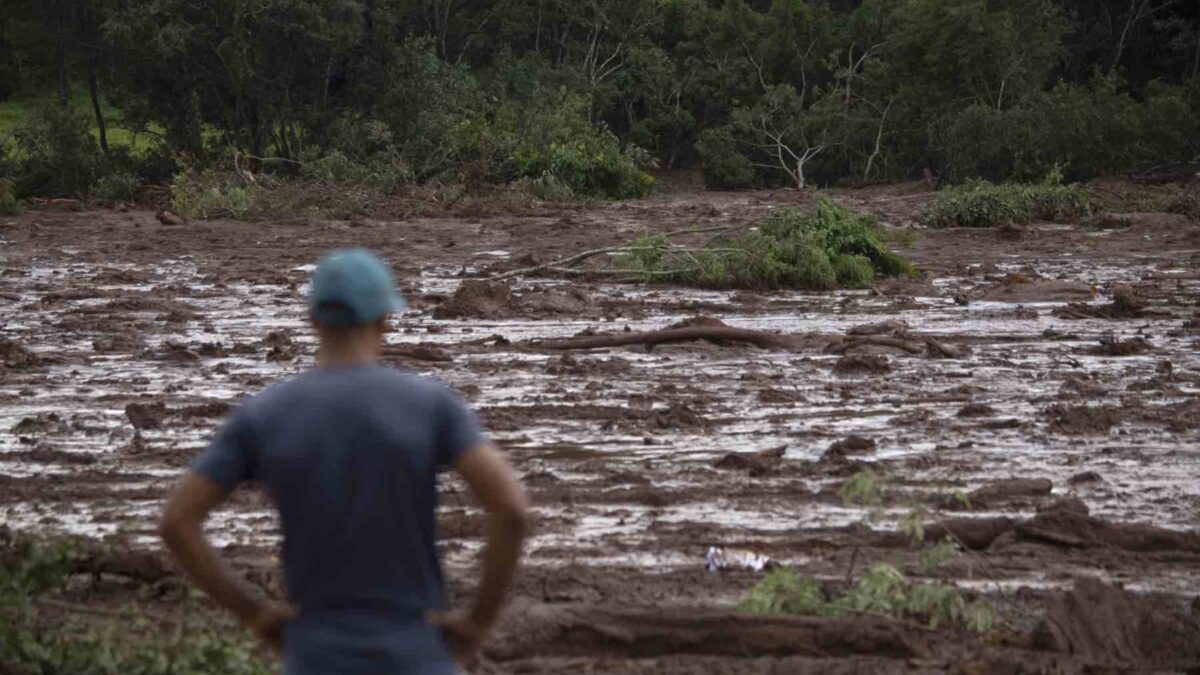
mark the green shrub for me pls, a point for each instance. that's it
(89, 645)
(117, 186)
(9, 206)
(1088, 129)
(783, 591)
(865, 488)
(883, 590)
(546, 187)
(209, 193)
(854, 271)
(598, 167)
(823, 249)
(55, 152)
(723, 167)
(978, 203)
(838, 232)
(983, 142)
(215, 192)
(383, 173)
(550, 133)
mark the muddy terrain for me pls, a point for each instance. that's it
(1035, 393)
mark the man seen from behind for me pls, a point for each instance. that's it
(349, 452)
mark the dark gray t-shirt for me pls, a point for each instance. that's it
(349, 456)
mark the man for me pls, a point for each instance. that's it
(348, 452)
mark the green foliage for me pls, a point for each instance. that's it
(361, 152)
(933, 556)
(903, 237)
(983, 141)
(645, 255)
(783, 591)
(55, 152)
(1086, 130)
(9, 206)
(779, 138)
(116, 186)
(546, 187)
(979, 203)
(864, 488)
(822, 249)
(209, 193)
(550, 134)
(912, 524)
(723, 167)
(110, 649)
(884, 590)
(133, 645)
(382, 173)
(757, 93)
(30, 568)
(839, 232)
(217, 192)
(598, 167)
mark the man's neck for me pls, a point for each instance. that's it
(356, 346)
(358, 350)
(340, 358)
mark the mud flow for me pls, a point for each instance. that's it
(1037, 396)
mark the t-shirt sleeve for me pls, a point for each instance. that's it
(228, 460)
(458, 429)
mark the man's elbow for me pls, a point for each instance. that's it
(172, 528)
(515, 517)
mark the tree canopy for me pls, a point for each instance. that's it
(593, 92)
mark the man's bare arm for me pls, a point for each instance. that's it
(493, 482)
(186, 510)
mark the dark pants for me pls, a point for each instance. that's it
(364, 643)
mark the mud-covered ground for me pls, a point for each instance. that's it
(1050, 376)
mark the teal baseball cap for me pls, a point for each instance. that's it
(352, 287)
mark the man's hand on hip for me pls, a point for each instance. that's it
(268, 622)
(465, 635)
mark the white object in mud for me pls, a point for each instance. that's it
(719, 559)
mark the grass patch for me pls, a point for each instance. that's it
(103, 641)
(884, 591)
(827, 248)
(979, 203)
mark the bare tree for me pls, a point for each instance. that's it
(878, 134)
(785, 134)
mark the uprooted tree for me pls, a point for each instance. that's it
(826, 248)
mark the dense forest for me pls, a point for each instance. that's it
(594, 96)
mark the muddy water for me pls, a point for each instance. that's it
(618, 446)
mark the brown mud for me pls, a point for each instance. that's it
(1038, 396)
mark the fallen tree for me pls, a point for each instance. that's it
(827, 248)
(568, 265)
(712, 330)
(718, 334)
(575, 629)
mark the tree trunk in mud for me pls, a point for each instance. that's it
(718, 334)
(571, 629)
